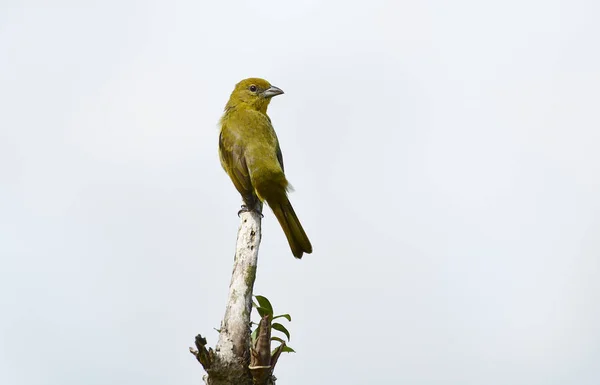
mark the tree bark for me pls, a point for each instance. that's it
(229, 363)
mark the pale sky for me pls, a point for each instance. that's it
(446, 162)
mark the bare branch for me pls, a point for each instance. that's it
(202, 355)
(229, 363)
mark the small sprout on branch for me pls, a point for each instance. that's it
(265, 309)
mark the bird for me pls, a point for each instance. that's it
(250, 154)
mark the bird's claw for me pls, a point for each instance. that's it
(246, 209)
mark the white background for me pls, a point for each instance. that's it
(446, 165)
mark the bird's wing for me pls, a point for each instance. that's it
(234, 163)
(280, 157)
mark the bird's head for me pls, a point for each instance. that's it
(254, 92)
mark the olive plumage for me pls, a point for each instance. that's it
(250, 154)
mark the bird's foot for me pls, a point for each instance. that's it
(246, 209)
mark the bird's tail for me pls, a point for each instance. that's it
(283, 210)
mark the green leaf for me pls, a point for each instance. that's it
(254, 335)
(287, 349)
(262, 311)
(277, 339)
(264, 303)
(286, 316)
(281, 328)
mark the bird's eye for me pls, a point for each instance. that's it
(253, 88)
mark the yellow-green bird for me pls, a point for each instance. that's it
(250, 154)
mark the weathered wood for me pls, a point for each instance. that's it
(229, 363)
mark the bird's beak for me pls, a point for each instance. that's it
(272, 91)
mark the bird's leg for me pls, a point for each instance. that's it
(245, 209)
(251, 204)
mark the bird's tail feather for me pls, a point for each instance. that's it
(291, 226)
